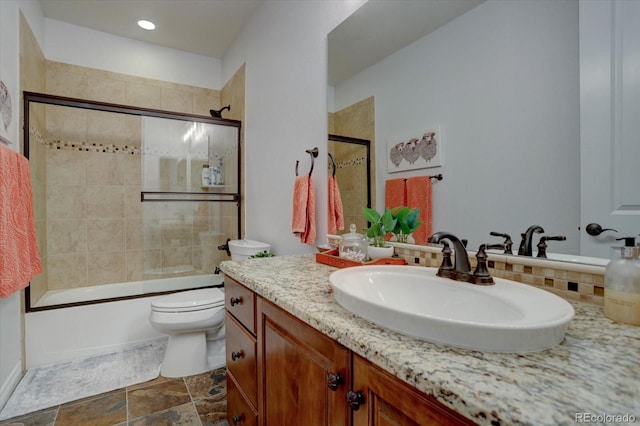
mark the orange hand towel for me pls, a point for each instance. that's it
(19, 258)
(336, 212)
(300, 196)
(419, 196)
(395, 193)
(303, 223)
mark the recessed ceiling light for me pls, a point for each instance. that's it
(147, 25)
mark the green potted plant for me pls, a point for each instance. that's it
(406, 222)
(381, 225)
(263, 253)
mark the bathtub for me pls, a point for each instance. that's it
(64, 334)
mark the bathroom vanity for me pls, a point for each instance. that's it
(293, 353)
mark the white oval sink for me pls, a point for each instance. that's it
(505, 317)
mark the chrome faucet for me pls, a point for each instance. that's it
(525, 248)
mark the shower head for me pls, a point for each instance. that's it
(218, 113)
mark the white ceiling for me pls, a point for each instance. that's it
(380, 27)
(205, 27)
(209, 27)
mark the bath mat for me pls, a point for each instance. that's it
(52, 385)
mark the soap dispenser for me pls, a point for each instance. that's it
(622, 284)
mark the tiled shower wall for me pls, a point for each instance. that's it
(86, 168)
(356, 121)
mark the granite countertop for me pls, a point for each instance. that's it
(595, 370)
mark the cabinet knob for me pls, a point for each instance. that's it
(235, 301)
(355, 399)
(237, 355)
(236, 419)
(334, 380)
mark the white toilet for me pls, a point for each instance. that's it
(243, 249)
(194, 321)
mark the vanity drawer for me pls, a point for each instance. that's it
(240, 302)
(239, 412)
(241, 357)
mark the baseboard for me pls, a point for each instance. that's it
(10, 384)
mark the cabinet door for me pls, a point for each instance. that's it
(384, 400)
(295, 364)
(241, 357)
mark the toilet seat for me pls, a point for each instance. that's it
(189, 301)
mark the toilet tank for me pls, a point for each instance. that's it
(243, 249)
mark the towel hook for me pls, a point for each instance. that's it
(314, 154)
(333, 161)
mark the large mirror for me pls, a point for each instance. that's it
(511, 86)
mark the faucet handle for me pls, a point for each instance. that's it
(481, 274)
(508, 243)
(542, 245)
(446, 267)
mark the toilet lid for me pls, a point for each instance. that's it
(192, 300)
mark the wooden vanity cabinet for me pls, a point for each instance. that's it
(380, 399)
(303, 374)
(301, 377)
(240, 347)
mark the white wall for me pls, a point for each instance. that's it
(10, 316)
(502, 82)
(284, 47)
(84, 47)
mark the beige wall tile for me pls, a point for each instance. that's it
(134, 234)
(66, 167)
(105, 201)
(105, 168)
(177, 100)
(66, 124)
(144, 96)
(205, 100)
(105, 89)
(107, 128)
(67, 81)
(178, 256)
(66, 271)
(66, 236)
(132, 203)
(106, 235)
(106, 267)
(66, 202)
(132, 169)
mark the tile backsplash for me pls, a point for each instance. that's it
(570, 281)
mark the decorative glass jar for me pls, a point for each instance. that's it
(353, 246)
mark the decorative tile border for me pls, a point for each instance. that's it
(571, 281)
(83, 146)
(94, 147)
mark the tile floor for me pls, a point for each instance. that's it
(199, 400)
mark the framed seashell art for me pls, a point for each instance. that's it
(418, 150)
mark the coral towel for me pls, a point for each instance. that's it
(395, 193)
(413, 192)
(19, 258)
(336, 212)
(419, 196)
(303, 223)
